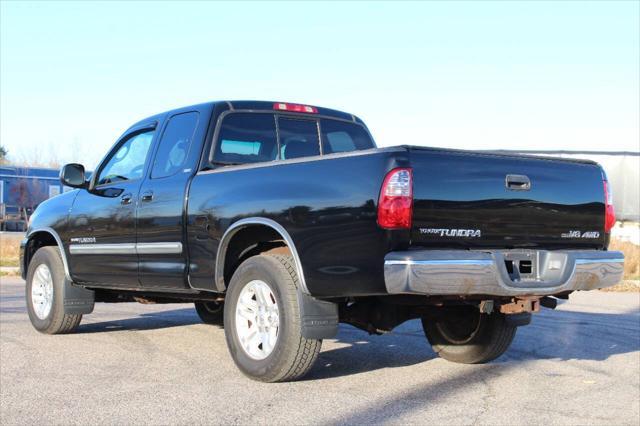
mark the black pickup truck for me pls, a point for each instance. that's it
(282, 220)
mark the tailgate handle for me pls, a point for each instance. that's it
(518, 183)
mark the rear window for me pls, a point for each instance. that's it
(298, 138)
(342, 136)
(246, 138)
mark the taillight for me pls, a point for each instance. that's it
(396, 200)
(609, 213)
(295, 108)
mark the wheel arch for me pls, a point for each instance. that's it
(268, 226)
(43, 237)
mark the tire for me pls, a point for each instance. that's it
(210, 312)
(47, 264)
(292, 355)
(466, 336)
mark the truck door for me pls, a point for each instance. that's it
(102, 224)
(161, 203)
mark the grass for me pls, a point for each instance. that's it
(631, 258)
(631, 266)
(9, 251)
(626, 286)
(9, 262)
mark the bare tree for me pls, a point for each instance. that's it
(28, 193)
(3, 155)
(45, 157)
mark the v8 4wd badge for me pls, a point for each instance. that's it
(578, 234)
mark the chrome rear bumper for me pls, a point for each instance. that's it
(462, 272)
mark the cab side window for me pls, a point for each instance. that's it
(246, 138)
(341, 136)
(128, 161)
(175, 145)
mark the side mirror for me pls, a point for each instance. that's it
(73, 175)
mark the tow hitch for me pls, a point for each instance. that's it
(520, 305)
(518, 311)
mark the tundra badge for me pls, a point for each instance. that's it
(83, 240)
(446, 232)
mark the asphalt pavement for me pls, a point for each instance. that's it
(158, 364)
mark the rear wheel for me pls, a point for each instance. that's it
(45, 293)
(462, 334)
(262, 321)
(210, 312)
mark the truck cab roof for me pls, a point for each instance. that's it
(251, 105)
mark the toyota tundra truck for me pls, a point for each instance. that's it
(282, 220)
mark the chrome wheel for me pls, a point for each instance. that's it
(42, 291)
(257, 319)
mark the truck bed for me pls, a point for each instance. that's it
(329, 206)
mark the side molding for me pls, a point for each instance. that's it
(243, 223)
(127, 248)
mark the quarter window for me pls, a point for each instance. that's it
(175, 145)
(246, 138)
(128, 161)
(341, 136)
(298, 138)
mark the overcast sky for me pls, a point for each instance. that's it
(510, 75)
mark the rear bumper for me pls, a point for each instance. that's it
(462, 272)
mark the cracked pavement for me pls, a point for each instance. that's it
(157, 364)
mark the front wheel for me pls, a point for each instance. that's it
(462, 334)
(45, 293)
(262, 321)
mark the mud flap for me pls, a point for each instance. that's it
(77, 300)
(319, 317)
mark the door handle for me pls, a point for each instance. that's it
(147, 196)
(517, 183)
(126, 198)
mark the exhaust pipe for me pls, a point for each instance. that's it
(549, 302)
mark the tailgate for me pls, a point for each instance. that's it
(482, 200)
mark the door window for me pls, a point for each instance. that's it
(246, 138)
(127, 163)
(175, 145)
(298, 138)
